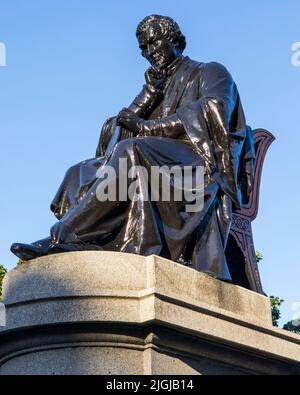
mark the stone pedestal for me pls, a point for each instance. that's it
(113, 313)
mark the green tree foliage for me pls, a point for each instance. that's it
(275, 304)
(259, 257)
(3, 271)
(292, 326)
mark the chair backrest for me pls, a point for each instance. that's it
(262, 141)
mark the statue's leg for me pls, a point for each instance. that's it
(209, 251)
(122, 225)
(77, 181)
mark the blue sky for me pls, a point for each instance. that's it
(72, 64)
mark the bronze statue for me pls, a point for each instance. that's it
(188, 114)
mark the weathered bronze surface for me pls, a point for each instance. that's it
(188, 114)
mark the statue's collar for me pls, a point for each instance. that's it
(174, 66)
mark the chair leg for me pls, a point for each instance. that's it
(241, 230)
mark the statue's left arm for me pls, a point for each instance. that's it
(216, 125)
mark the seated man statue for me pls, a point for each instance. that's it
(187, 114)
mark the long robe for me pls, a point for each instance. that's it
(215, 136)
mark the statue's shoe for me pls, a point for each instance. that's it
(33, 250)
(43, 247)
(26, 252)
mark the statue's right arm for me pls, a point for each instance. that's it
(142, 105)
(145, 101)
(151, 94)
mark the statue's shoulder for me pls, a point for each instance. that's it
(215, 68)
(210, 71)
(190, 62)
(212, 67)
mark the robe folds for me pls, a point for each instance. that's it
(215, 136)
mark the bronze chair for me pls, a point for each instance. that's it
(240, 250)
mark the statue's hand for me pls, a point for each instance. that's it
(139, 126)
(155, 81)
(129, 120)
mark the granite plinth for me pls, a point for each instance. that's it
(114, 313)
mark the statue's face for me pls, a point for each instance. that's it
(157, 49)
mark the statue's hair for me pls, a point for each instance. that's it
(169, 29)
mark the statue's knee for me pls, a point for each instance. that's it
(126, 145)
(72, 171)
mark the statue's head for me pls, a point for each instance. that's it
(160, 40)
